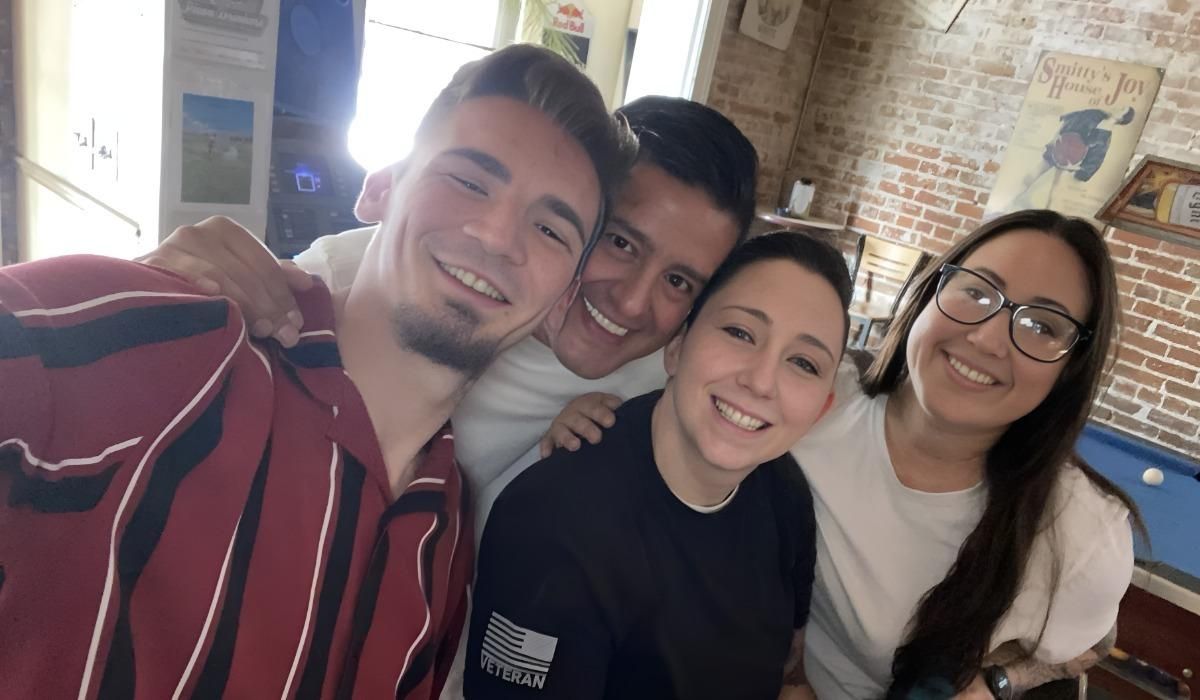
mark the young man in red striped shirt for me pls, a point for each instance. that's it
(188, 513)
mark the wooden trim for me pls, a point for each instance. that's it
(706, 61)
(10, 251)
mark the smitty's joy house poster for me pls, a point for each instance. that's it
(1077, 130)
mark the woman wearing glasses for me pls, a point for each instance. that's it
(963, 548)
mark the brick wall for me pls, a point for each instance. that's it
(907, 127)
(761, 88)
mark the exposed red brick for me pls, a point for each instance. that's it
(1150, 346)
(971, 211)
(1171, 369)
(930, 199)
(1183, 338)
(1137, 239)
(1157, 311)
(1190, 358)
(924, 151)
(906, 162)
(1183, 391)
(1175, 282)
(1187, 445)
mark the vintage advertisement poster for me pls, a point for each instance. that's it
(770, 21)
(1076, 132)
(1161, 199)
(938, 14)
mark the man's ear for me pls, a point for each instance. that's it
(373, 200)
(557, 316)
(673, 350)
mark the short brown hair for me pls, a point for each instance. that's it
(554, 86)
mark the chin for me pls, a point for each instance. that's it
(730, 460)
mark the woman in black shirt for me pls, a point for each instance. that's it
(675, 559)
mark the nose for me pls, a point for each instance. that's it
(991, 336)
(500, 230)
(759, 376)
(632, 295)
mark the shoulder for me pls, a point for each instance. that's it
(123, 344)
(788, 480)
(570, 492)
(644, 374)
(98, 306)
(789, 493)
(1090, 528)
(335, 259)
(567, 481)
(74, 279)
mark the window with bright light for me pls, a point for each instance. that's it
(410, 51)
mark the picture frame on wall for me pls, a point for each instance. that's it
(1079, 125)
(1160, 198)
(771, 21)
(938, 14)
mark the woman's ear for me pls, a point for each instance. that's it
(672, 351)
(373, 200)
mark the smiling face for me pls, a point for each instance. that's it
(755, 370)
(663, 242)
(482, 229)
(973, 377)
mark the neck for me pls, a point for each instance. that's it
(407, 396)
(927, 453)
(689, 476)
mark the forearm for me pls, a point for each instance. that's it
(1026, 672)
(795, 682)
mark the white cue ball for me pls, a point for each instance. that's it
(1153, 476)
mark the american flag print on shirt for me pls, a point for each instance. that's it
(516, 654)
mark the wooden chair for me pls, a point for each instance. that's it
(881, 261)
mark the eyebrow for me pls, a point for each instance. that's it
(489, 163)
(495, 168)
(999, 282)
(647, 242)
(806, 338)
(564, 210)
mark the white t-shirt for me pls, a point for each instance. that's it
(882, 545)
(511, 405)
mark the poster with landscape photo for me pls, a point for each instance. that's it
(217, 154)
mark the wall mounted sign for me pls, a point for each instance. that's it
(1161, 198)
(1076, 132)
(771, 21)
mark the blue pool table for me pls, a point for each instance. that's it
(1158, 640)
(1171, 510)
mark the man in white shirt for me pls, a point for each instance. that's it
(688, 201)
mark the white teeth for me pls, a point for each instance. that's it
(603, 320)
(736, 417)
(977, 377)
(469, 279)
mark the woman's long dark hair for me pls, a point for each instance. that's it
(949, 635)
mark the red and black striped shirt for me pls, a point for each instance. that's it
(187, 513)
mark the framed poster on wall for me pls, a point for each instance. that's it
(1161, 198)
(1077, 129)
(770, 21)
(938, 14)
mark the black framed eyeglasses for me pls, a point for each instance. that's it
(1039, 332)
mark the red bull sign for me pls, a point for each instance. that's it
(571, 18)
